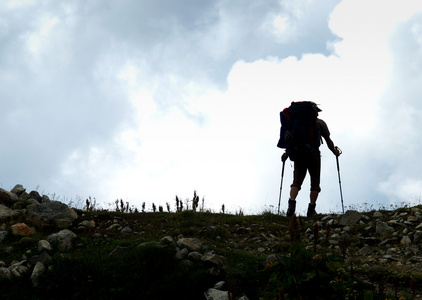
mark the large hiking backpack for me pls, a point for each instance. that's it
(299, 131)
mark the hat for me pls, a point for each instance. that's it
(316, 106)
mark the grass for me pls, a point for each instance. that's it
(298, 272)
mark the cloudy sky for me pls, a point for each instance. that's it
(146, 100)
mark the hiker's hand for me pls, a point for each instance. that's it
(284, 157)
(337, 151)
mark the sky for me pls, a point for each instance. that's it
(146, 100)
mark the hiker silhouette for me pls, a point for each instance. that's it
(301, 135)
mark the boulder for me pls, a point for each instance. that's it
(21, 229)
(191, 244)
(52, 213)
(18, 190)
(7, 197)
(6, 213)
(351, 217)
(62, 240)
(383, 229)
(214, 294)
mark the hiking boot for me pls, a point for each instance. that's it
(292, 208)
(311, 210)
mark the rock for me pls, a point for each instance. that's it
(195, 256)
(21, 229)
(366, 250)
(214, 259)
(214, 294)
(43, 258)
(36, 273)
(36, 196)
(350, 218)
(192, 244)
(182, 254)
(18, 190)
(18, 269)
(87, 224)
(5, 273)
(167, 241)
(377, 214)
(8, 198)
(383, 229)
(53, 212)
(406, 241)
(44, 245)
(118, 251)
(6, 213)
(62, 240)
(3, 235)
(412, 219)
(126, 230)
(219, 285)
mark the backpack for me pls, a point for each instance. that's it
(299, 130)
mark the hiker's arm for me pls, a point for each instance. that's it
(331, 146)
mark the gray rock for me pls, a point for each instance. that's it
(214, 294)
(7, 197)
(126, 230)
(214, 259)
(53, 212)
(18, 269)
(195, 256)
(219, 285)
(18, 189)
(118, 251)
(5, 273)
(377, 214)
(383, 230)
(406, 241)
(62, 240)
(87, 224)
(2, 236)
(191, 244)
(6, 213)
(36, 196)
(350, 218)
(182, 254)
(36, 273)
(44, 245)
(366, 250)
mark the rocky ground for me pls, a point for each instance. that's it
(379, 247)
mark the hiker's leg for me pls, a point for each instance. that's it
(314, 196)
(294, 191)
(314, 172)
(299, 174)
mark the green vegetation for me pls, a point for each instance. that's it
(295, 271)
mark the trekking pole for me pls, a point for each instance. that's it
(339, 180)
(283, 159)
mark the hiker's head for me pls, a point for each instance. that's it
(316, 107)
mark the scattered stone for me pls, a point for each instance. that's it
(44, 245)
(350, 218)
(383, 229)
(214, 294)
(21, 229)
(406, 241)
(192, 244)
(62, 240)
(53, 212)
(3, 235)
(36, 273)
(126, 230)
